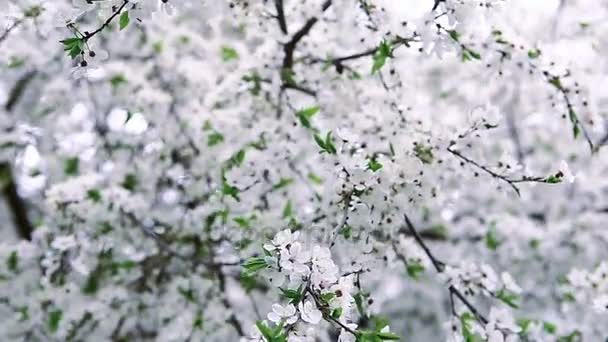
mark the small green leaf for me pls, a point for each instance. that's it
(94, 195)
(424, 153)
(54, 319)
(454, 35)
(12, 263)
(124, 20)
(215, 138)
(254, 264)
(288, 209)
(229, 53)
(534, 53)
(306, 114)
(414, 268)
(117, 80)
(130, 182)
(374, 165)
(383, 52)
(508, 298)
(283, 182)
(491, 240)
(71, 166)
(549, 327)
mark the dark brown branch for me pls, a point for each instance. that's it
(89, 35)
(18, 90)
(9, 29)
(290, 47)
(439, 267)
(511, 181)
(16, 204)
(281, 15)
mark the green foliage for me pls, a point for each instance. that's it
(256, 83)
(54, 319)
(508, 298)
(94, 195)
(71, 166)
(383, 52)
(326, 145)
(229, 54)
(288, 209)
(74, 46)
(414, 268)
(491, 239)
(12, 262)
(254, 264)
(117, 80)
(534, 53)
(424, 153)
(294, 296)
(124, 20)
(130, 182)
(229, 190)
(374, 165)
(215, 138)
(272, 335)
(306, 114)
(465, 325)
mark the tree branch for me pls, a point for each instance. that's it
(16, 204)
(278, 4)
(439, 266)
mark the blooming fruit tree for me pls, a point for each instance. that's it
(303, 170)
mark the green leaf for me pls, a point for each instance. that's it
(454, 35)
(188, 294)
(283, 182)
(383, 52)
(124, 20)
(414, 268)
(117, 80)
(556, 82)
(553, 179)
(294, 296)
(491, 240)
(508, 298)
(574, 120)
(327, 297)
(524, 324)
(374, 165)
(256, 83)
(215, 138)
(336, 313)
(306, 114)
(288, 209)
(74, 46)
(387, 336)
(71, 166)
(549, 327)
(92, 283)
(424, 153)
(474, 54)
(94, 195)
(534, 53)
(315, 179)
(130, 182)
(346, 231)
(229, 53)
(254, 264)
(465, 326)
(326, 144)
(12, 262)
(54, 319)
